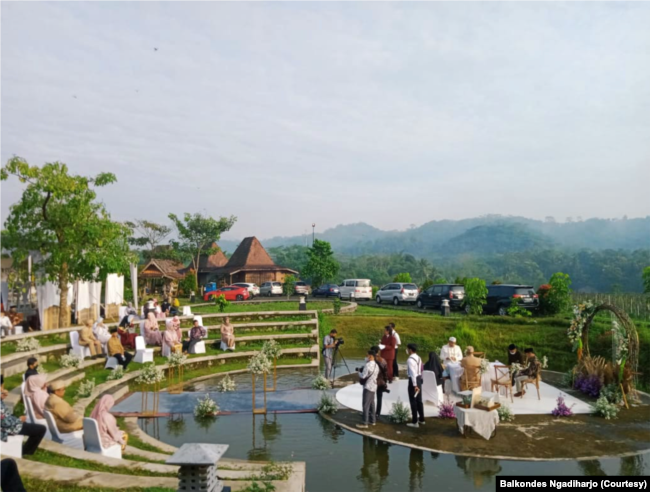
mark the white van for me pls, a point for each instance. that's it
(356, 288)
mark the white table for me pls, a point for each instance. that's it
(482, 422)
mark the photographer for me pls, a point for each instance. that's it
(368, 379)
(329, 343)
(382, 378)
(414, 365)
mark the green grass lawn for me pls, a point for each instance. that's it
(34, 485)
(264, 306)
(14, 381)
(8, 348)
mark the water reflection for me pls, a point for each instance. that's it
(632, 466)
(591, 468)
(374, 468)
(176, 425)
(480, 470)
(331, 431)
(416, 469)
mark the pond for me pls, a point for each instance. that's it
(340, 460)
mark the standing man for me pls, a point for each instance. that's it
(368, 380)
(398, 342)
(414, 370)
(329, 342)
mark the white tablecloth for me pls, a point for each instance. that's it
(456, 371)
(482, 422)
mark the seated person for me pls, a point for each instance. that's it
(65, 418)
(435, 366)
(149, 307)
(197, 332)
(115, 349)
(109, 433)
(5, 325)
(530, 372)
(17, 319)
(32, 367)
(514, 356)
(101, 331)
(126, 331)
(472, 375)
(152, 335)
(87, 339)
(451, 352)
(130, 309)
(166, 306)
(173, 335)
(36, 390)
(227, 334)
(18, 426)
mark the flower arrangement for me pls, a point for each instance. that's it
(447, 410)
(68, 361)
(259, 364)
(117, 373)
(177, 359)
(505, 413)
(399, 413)
(580, 314)
(613, 393)
(272, 349)
(321, 383)
(226, 384)
(515, 367)
(606, 409)
(590, 385)
(484, 367)
(86, 388)
(562, 410)
(206, 407)
(150, 374)
(620, 346)
(327, 404)
(27, 344)
(544, 362)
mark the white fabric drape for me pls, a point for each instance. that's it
(89, 296)
(114, 293)
(134, 284)
(48, 295)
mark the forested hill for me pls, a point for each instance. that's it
(479, 236)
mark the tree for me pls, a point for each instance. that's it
(59, 217)
(196, 234)
(289, 285)
(403, 278)
(646, 280)
(475, 295)
(558, 297)
(321, 265)
(151, 234)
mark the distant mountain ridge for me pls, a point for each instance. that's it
(478, 236)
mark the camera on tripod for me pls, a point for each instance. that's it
(338, 342)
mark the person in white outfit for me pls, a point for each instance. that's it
(101, 332)
(451, 352)
(368, 379)
(414, 370)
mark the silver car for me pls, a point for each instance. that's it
(271, 289)
(398, 293)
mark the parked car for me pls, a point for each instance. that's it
(301, 288)
(327, 290)
(433, 296)
(253, 289)
(499, 298)
(398, 293)
(271, 289)
(232, 293)
(357, 288)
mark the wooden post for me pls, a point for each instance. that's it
(624, 398)
(275, 376)
(261, 411)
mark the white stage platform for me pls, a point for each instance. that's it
(350, 397)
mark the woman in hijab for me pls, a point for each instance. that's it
(101, 332)
(109, 433)
(173, 335)
(126, 337)
(227, 335)
(152, 333)
(388, 351)
(435, 366)
(36, 390)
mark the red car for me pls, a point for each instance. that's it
(232, 293)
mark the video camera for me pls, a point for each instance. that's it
(338, 341)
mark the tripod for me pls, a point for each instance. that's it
(337, 351)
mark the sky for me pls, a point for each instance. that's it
(288, 114)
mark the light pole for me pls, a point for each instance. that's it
(313, 234)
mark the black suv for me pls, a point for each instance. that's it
(433, 296)
(500, 297)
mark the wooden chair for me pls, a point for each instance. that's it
(480, 355)
(470, 379)
(502, 378)
(534, 381)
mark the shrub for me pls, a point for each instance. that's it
(399, 413)
(515, 310)
(606, 409)
(505, 413)
(337, 305)
(613, 393)
(68, 361)
(375, 289)
(567, 379)
(558, 297)
(561, 410)
(425, 285)
(226, 384)
(289, 285)
(117, 373)
(27, 344)
(447, 410)
(221, 302)
(327, 404)
(86, 388)
(475, 295)
(187, 284)
(321, 383)
(403, 277)
(206, 407)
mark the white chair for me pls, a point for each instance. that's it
(111, 363)
(198, 348)
(79, 350)
(18, 330)
(431, 392)
(93, 441)
(13, 447)
(225, 347)
(187, 311)
(166, 350)
(142, 328)
(121, 312)
(199, 319)
(142, 353)
(72, 439)
(31, 417)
